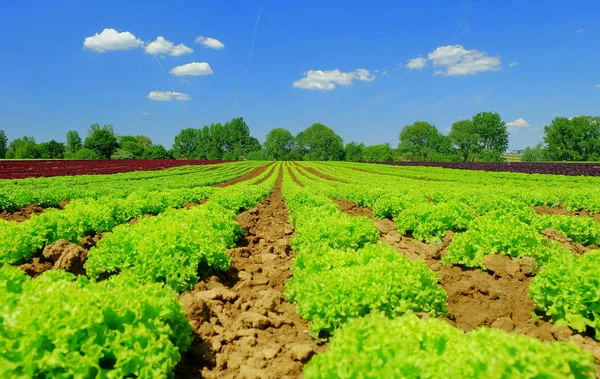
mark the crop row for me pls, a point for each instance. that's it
(50, 192)
(26, 169)
(351, 351)
(130, 325)
(571, 169)
(489, 225)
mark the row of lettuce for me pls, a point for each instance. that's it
(495, 223)
(131, 324)
(347, 284)
(51, 192)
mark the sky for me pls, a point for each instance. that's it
(364, 69)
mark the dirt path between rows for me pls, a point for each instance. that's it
(251, 175)
(320, 174)
(294, 178)
(544, 210)
(495, 298)
(243, 326)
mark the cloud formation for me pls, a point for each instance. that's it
(167, 96)
(579, 30)
(513, 64)
(110, 39)
(210, 42)
(192, 69)
(161, 46)
(417, 63)
(456, 60)
(518, 123)
(327, 80)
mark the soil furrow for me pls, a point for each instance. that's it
(251, 175)
(243, 325)
(495, 298)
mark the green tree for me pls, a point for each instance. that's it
(574, 139)
(3, 144)
(103, 142)
(23, 148)
(51, 150)
(279, 144)
(420, 140)
(121, 153)
(237, 141)
(73, 143)
(85, 154)
(144, 141)
(534, 154)
(353, 152)
(186, 144)
(259, 155)
(96, 127)
(157, 152)
(133, 146)
(378, 153)
(492, 132)
(463, 136)
(320, 143)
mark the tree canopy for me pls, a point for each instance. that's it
(3, 144)
(102, 141)
(465, 139)
(279, 144)
(353, 152)
(492, 132)
(73, 143)
(377, 153)
(420, 140)
(574, 139)
(320, 143)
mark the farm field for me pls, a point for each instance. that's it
(289, 269)
(11, 169)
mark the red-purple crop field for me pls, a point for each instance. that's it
(571, 169)
(28, 169)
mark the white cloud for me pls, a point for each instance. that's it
(384, 72)
(456, 60)
(192, 69)
(110, 39)
(518, 123)
(417, 63)
(597, 85)
(579, 30)
(161, 46)
(145, 113)
(326, 80)
(210, 42)
(513, 64)
(167, 96)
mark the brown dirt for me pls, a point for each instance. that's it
(320, 174)
(294, 178)
(495, 298)
(566, 242)
(267, 176)
(22, 214)
(243, 326)
(251, 175)
(562, 211)
(61, 255)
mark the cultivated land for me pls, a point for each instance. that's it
(315, 269)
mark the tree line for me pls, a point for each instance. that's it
(484, 137)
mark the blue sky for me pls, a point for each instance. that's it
(50, 82)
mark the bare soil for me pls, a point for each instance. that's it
(251, 175)
(62, 255)
(320, 174)
(495, 298)
(562, 211)
(243, 325)
(294, 178)
(22, 214)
